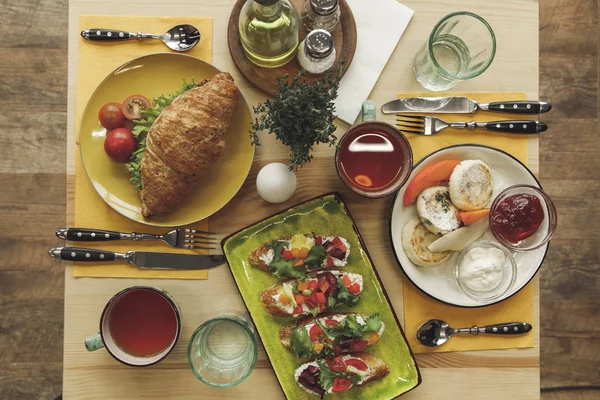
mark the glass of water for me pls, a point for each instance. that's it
(461, 46)
(223, 351)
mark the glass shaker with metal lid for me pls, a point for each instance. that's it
(321, 14)
(316, 53)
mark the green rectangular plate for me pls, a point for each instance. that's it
(324, 215)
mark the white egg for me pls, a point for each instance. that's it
(276, 183)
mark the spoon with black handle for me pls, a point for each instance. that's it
(178, 38)
(436, 332)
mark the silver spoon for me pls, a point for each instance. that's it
(436, 332)
(178, 38)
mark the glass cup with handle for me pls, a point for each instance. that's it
(460, 47)
(223, 350)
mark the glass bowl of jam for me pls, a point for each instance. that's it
(374, 159)
(523, 218)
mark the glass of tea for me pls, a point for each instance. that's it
(374, 159)
(223, 351)
(138, 327)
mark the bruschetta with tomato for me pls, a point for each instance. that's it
(331, 334)
(319, 292)
(340, 373)
(296, 256)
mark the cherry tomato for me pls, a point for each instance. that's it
(330, 262)
(111, 116)
(286, 254)
(314, 284)
(134, 105)
(315, 333)
(358, 364)
(297, 310)
(337, 242)
(341, 384)
(120, 144)
(354, 288)
(358, 345)
(329, 322)
(336, 364)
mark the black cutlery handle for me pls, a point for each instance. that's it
(528, 127)
(509, 328)
(81, 254)
(106, 35)
(520, 107)
(87, 235)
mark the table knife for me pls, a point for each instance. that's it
(461, 105)
(141, 259)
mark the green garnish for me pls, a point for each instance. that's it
(142, 126)
(344, 296)
(444, 199)
(300, 341)
(301, 115)
(280, 267)
(326, 376)
(315, 257)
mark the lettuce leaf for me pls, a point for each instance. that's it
(280, 267)
(301, 344)
(343, 296)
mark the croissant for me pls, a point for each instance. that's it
(186, 139)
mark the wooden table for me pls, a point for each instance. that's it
(504, 374)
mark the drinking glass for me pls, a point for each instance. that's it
(223, 351)
(461, 46)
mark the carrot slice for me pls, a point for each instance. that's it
(468, 217)
(299, 263)
(431, 175)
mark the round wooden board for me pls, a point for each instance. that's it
(265, 79)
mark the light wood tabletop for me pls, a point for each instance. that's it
(499, 374)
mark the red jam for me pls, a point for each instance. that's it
(517, 217)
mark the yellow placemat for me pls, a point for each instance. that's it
(96, 61)
(418, 307)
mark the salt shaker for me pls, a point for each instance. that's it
(321, 14)
(316, 53)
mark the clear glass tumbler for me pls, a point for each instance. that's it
(223, 351)
(461, 46)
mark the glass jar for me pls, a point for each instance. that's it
(316, 53)
(269, 32)
(321, 14)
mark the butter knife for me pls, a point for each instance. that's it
(461, 105)
(141, 259)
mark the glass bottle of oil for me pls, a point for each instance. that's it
(269, 32)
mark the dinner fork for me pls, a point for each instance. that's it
(180, 238)
(426, 125)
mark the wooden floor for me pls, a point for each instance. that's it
(33, 97)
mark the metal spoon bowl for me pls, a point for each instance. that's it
(179, 38)
(436, 332)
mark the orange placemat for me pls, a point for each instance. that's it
(94, 64)
(419, 307)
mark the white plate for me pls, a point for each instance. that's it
(439, 282)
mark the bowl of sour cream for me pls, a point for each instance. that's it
(485, 271)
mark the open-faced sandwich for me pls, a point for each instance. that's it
(340, 373)
(297, 255)
(317, 293)
(331, 334)
(451, 216)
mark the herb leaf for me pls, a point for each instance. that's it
(344, 296)
(301, 115)
(301, 344)
(280, 267)
(315, 257)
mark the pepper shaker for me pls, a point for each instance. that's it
(321, 14)
(316, 53)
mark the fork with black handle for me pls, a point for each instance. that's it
(426, 125)
(179, 238)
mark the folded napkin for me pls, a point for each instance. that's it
(379, 25)
(418, 307)
(96, 61)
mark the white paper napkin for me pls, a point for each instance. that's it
(379, 25)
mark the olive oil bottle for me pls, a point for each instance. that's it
(269, 32)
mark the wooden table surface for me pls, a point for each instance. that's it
(490, 374)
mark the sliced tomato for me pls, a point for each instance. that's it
(286, 254)
(134, 105)
(313, 297)
(337, 242)
(321, 298)
(322, 308)
(341, 384)
(298, 310)
(319, 240)
(316, 333)
(358, 364)
(336, 364)
(330, 262)
(354, 288)
(358, 345)
(314, 284)
(329, 322)
(346, 280)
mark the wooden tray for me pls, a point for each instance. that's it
(265, 79)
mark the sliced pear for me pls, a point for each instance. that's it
(460, 238)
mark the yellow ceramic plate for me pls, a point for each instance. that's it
(152, 76)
